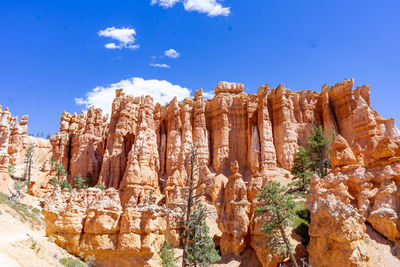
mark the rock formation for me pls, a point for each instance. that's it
(144, 151)
(362, 186)
(233, 215)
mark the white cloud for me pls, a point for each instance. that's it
(162, 91)
(165, 3)
(160, 65)
(112, 46)
(208, 95)
(124, 36)
(171, 53)
(210, 7)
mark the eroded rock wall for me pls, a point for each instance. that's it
(362, 187)
(145, 149)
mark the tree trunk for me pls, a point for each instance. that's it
(188, 210)
(288, 247)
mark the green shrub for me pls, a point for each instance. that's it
(79, 183)
(53, 182)
(71, 262)
(101, 186)
(64, 184)
(26, 212)
(167, 254)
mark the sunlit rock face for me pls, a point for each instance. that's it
(14, 141)
(362, 187)
(144, 149)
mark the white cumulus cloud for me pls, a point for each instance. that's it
(160, 65)
(125, 38)
(171, 53)
(210, 7)
(162, 91)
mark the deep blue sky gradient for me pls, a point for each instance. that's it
(50, 52)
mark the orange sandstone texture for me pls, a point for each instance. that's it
(141, 156)
(13, 143)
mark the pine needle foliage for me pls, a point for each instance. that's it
(279, 209)
(314, 158)
(79, 182)
(167, 254)
(198, 248)
(201, 250)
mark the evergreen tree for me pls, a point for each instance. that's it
(167, 254)
(79, 183)
(53, 161)
(318, 147)
(279, 210)
(195, 230)
(59, 170)
(64, 184)
(201, 250)
(89, 179)
(28, 163)
(100, 186)
(48, 136)
(314, 158)
(11, 171)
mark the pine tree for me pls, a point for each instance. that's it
(28, 163)
(318, 147)
(195, 230)
(59, 170)
(79, 183)
(100, 186)
(314, 158)
(279, 210)
(167, 254)
(11, 171)
(64, 184)
(201, 250)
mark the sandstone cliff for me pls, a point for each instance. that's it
(13, 143)
(142, 151)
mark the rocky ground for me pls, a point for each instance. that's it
(23, 241)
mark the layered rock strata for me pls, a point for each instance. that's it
(93, 222)
(145, 149)
(362, 187)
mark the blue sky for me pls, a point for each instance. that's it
(52, 52)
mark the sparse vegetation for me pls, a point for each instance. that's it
(72, 262)
(279, 210)
(301, 222)
(35, 246)
(100, 186)
(59, 170)
(167, 254)
(201, 250)
(28, 163)
(79, 183)
(198, 249)
(26, 212)
(11, 171)
(65, 184)
(314, 158)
